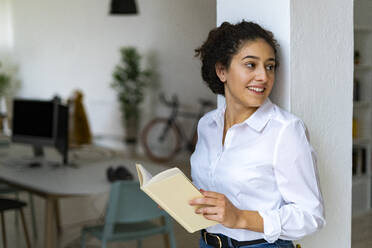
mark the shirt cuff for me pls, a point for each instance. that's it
(272, 225)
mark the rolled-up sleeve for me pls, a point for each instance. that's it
(302, 212)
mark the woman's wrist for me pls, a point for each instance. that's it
(250, 220)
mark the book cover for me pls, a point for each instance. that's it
(172, 190)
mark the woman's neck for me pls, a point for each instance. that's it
(235, 115)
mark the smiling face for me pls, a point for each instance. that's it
(249, 79)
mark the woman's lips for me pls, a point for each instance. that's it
(257, 89)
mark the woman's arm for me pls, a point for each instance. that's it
(296, 175)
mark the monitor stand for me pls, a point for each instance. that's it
(38, 151)
(38, 159)
(38, 154)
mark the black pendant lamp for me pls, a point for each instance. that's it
(119, 7)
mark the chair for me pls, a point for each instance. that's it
(11, 204)
(6, 189)
(130, 216)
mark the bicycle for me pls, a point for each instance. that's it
(162, 137)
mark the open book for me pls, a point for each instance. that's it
(172, 190)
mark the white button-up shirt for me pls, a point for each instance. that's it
(266, 164)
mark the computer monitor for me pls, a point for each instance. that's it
(41, 123)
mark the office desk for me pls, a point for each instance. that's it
(53, 183)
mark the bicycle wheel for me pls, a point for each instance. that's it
(160, 140)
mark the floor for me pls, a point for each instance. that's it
(82, 211)
(362, 231)
(70, 238)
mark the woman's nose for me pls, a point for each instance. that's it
(261, 73)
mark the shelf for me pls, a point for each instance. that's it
(361, 29)
(361, 141)
(361, 104)
(362, 67)
(357, 179)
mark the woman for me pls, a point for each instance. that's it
(253, 161)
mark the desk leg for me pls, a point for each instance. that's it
(57, 216)
(49, 225)
(3, 229)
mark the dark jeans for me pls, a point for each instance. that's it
(277, 244)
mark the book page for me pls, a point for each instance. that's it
(165, 174)
(143, 175)
(146, 178)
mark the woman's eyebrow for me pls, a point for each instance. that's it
(255, 57)
(250, 57)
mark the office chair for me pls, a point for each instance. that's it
(11, 204)
(6, 189)
(130, 216)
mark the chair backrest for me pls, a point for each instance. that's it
(6, 189)
(129, 204)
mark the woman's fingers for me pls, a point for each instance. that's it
(217, 207)
(210, 198)
(207, 210)
(212, 194)
(204, 201)
(211, 213)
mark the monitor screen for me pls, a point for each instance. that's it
(41, 123)
(33, 119)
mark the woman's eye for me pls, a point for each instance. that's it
(250, 65)
(270, 67)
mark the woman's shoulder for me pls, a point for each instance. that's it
(283, 116)
(209, 116)
(290, 123)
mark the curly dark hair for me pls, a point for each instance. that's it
(223, 43)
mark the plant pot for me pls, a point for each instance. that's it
(131, 135)
(3, 116)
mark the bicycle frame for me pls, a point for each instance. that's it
(170, 124)
(190, 141)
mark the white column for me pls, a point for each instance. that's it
(315, 83)
(6, 35)
(321, 73)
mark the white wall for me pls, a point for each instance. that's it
(315, 83)
(321, 94)
(6, 34)
(276, 19)
(63, 45)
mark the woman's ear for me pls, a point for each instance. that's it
(221, 72)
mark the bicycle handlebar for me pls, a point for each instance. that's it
(206, 103)
(170, 103)
(175, 103)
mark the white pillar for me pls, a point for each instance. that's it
(321, 91)
(6, 35)
(315, 83)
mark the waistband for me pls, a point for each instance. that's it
(221, 241)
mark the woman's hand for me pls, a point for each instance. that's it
(217, 207)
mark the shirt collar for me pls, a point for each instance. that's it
(218, 116)
(261, 117)
(257, 120)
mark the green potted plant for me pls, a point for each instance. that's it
(4, 83)
(130, 81)
(4, 86)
